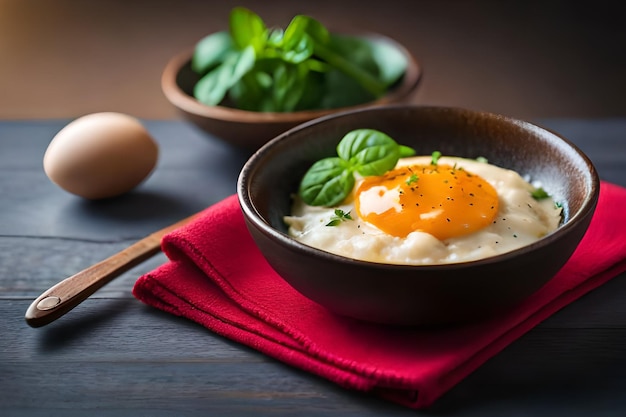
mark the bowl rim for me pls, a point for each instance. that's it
(254, 217)
(187, 103)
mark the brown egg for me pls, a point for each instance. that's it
(101, 155)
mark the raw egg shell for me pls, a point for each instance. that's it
(101, 155)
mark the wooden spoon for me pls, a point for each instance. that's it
(67, 294)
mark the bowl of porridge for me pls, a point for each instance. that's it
(418, 215)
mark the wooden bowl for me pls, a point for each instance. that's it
(250, 130)
(427, 294)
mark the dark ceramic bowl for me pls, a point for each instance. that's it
(419, 295)
(250, 130)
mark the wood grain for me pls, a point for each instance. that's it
(67, 294)
(114, 356)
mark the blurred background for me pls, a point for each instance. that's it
(526, 59)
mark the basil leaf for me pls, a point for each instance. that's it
(333, 71)
(271, 86)
(370, 151)
(299, 52)
(376, 160)
(326, 183)
(295, 32)
(406, 151)
(312, 90)
(247, 29)
(275, 38)
(341, 90)
(211, 51)
(357, 50)
(288, 86)
(341, 59)
(316, 30)
(301, 26)
(248, 92)
(212, 88)
(391, 63)
(296, 46)
(367, 151)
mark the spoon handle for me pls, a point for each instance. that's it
(67, 294)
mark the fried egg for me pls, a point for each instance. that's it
(420, 213)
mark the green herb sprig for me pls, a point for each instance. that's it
(302, 67)
(434, 158)
(339, 217)
(365, 151)
(412, 179)
(539, 193)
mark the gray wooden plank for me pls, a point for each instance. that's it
(30, 265)
(114, 356)
(95, 361)
(193, 172)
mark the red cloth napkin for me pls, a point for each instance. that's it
(217, 277)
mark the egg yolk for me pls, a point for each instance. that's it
(441, 200)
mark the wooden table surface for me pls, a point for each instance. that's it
(114, 356)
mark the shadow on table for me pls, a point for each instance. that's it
(84, 323)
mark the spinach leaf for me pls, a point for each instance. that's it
(366, 151)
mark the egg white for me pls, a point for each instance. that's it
(521, 220)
